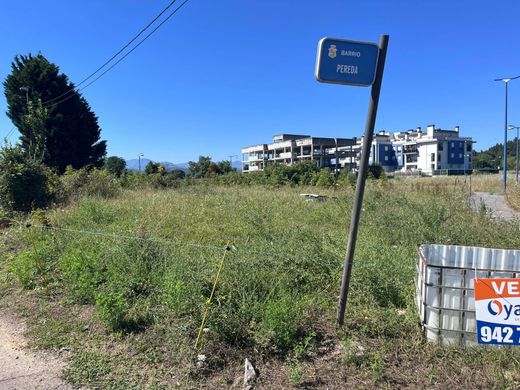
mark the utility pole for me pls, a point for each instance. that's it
(506, 80)
(231, 160)
(139, 156)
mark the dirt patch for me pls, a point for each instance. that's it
(23, 368)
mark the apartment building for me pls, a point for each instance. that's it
(435, 151)
(290, 148)
(431, 152)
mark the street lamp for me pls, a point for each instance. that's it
(511, 127)
(139, 156)
(506, 80)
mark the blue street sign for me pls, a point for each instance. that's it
(341, 61)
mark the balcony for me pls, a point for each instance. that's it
(285, 155)
(256, 158)
(412, 150)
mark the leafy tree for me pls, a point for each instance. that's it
(201, 168)
(225, 167)
(325, 178)
(303, 172)
(493, 157)
(151, 168)
(177, 174)
(34, 122)
(24, 183)
(161, 169)
(51, 115)
(115, 165)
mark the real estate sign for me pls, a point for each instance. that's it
(341, 61)
(497, 307)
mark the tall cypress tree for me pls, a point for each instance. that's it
(71, 134)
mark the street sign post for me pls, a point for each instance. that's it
(497, 311)
(342, 61)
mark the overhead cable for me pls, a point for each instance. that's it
(114, 56)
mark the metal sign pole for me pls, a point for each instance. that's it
(362, 174)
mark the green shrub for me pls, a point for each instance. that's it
(87, 182)
(324, 178)
(158, 180)
(112, 308)
(347, 177)
(82, 275)
(115, 165)
(35, 267)
(280, 324)
(376, 171)
(182, 295)
(25, 184)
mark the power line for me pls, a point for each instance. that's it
(126, 55)
(10, 132)
(114, 56)
(136, 46)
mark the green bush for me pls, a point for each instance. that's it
(376, 171)
(158, 180)
(35, 267)
(112, 308)
(280, 326)
(115, 165)
(347, 177)
(325, 178)
(25, 184)
(82, 274)
(87, 182)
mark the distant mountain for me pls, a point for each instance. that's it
(133, 165)
(183, 166)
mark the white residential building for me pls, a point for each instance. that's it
(290, 148)
(433, 152)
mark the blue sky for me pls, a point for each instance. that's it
(221, 75)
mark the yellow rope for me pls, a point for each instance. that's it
(208, 302)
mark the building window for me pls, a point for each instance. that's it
(433, 157)
(386, 158)
(460, 155)
(386, 148)
(453, 155)
(440, 147)
(468, 146)
(453, 144)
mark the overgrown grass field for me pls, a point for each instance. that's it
(124, 284)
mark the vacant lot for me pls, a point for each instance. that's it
(124, 284)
